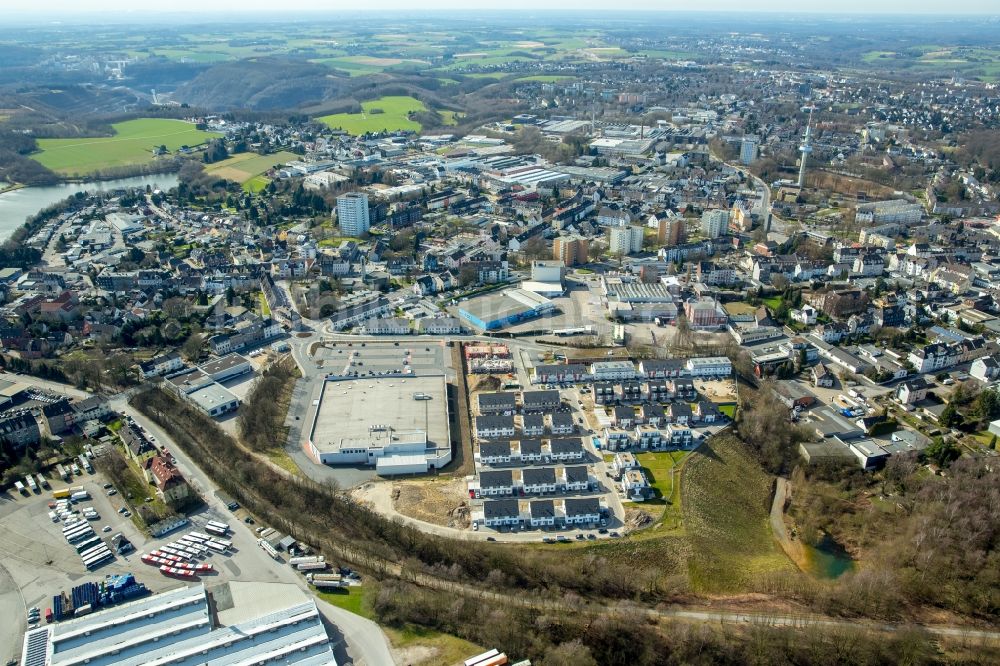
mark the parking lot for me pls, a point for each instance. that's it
(37, 561)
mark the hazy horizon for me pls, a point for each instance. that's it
(69, 8)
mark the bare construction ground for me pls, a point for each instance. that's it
(441, 502)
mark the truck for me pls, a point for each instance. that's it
(85, 463)
(42, 481)
(325, 583)
(308, 559)
(269, 549)
(62, 493)
(76, 469)
(21, 488)
(62, 472)
(79, 496)
(310, 566)
(30, 480)
(324, 576)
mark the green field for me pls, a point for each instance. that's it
(395, 116)
(350, 599)
(546, 78)
(247, 168)
(727, 498)
(133, 143)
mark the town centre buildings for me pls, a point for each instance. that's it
(398, 424)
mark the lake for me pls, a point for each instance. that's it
(17, 205)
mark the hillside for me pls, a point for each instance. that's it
(261, 84)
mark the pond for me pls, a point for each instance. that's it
(828, 559)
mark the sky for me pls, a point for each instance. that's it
(285, 6)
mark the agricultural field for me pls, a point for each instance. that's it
(132, 143)
(546, 78)
(247, 168)
(363, 65)
(395, 115)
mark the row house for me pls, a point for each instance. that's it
(634, 484)
(540, 513)
(538, 480)
(561, 423)
(386, 326)
(533, 401)
(623, 416)
(497, 403)
(492, 426)
(662, 368)
(523, 452)
(533, 425)
(493, 483)
(569, 373)
(358, 314)
(441, 326)
(653, 414)
(622, 461)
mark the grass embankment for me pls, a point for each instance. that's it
(132, 143)
(663, 471)
(247, 169)
(726, 508)
(418, 645)
(383, 114)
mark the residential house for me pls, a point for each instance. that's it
(538, 480)
(497, 403)
(170, 484)
(491, 426)
(634, 484)
(912, 390)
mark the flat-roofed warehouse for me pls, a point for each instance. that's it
(397, 424)
(245, 623)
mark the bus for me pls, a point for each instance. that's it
(184, 550)
(173, 551)
(215, 531)
(79, 528)
(87, 544)
(216, 546)
(225, 542)
(217, 525)
(98, 559)
(194, 545)
(93, 550)
(199, 536)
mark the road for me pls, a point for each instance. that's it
(13, 608)
(366, 644)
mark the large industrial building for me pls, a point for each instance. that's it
(234, 623)
(398, 424)
(497, 310)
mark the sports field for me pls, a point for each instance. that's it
(395, 115)
(132, 143)
(246, 167)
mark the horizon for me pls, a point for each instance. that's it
(192, 9)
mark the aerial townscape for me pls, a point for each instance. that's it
(565, 336)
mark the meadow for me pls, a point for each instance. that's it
(395, 115)
(727, 501)
(132, 143)
(247, 169)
